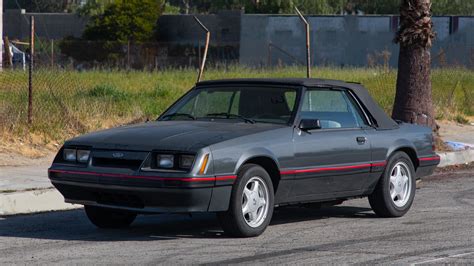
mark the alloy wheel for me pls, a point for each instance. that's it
(400, 184)
(255, 202)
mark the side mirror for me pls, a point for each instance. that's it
(309, 124)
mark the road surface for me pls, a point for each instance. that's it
(438, 229)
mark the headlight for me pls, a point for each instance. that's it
(186, 161)
(165, 161)
(69, 155)
(76, 156)
(83, 156)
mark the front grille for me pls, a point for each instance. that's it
(117, 163)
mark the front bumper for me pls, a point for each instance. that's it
(144, 194)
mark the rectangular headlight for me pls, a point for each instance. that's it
(83, 156)
(186, 161)
(165, 161)
(69, 155)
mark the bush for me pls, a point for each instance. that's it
(106, 91)
(122, 21)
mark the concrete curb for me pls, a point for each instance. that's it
(456, 157)
(23, 202)
(43, 200)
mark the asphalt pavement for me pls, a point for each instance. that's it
(438, 229)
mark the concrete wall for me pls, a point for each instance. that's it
(345, 40)
(336, 40)
(48, 26)
(183, 29)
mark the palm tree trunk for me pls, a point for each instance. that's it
(413, 100)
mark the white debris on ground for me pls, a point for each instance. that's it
(459, 146)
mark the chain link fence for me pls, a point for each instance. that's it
(81, 86)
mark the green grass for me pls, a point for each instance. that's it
(67, 103)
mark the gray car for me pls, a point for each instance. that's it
(240, 148)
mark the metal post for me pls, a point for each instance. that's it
(206, 48)
(308, 44)
(30, 70)
(128, 55)
(1, 34)
(269, 59)
(8, 57)
(52, 53)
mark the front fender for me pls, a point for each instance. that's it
(253, 153)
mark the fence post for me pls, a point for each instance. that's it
(1, 34)
(52, 53)
(308, 43)
(8, 57)
(128, 55)
(206, 48)
(30, 70)
(269, 59)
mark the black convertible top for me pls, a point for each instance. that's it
(383, 121)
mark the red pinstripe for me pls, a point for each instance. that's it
(184, 179)
(433, 158)
(335, 168)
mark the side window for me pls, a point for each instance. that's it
(334, 109)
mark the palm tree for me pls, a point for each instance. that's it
(413, 101)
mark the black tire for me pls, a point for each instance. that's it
(381, 201)
(109, 218)
(233, 221)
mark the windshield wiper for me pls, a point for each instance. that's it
(228, 115)
(179, 114)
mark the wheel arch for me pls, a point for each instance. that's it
(410, 150)
(266, 160)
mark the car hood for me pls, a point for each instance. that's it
(169, 135)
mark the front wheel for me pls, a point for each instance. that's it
(251, 205)
(109, 218)
(395, 191)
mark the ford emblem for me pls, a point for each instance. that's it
(117, 155)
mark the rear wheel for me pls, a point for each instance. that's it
(251, 205)
(395, 191)
(109, 218)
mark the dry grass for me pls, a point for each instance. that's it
(68, 103)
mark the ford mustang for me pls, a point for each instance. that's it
(239, 148)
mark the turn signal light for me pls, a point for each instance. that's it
(202, 170)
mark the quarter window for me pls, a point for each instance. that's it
(334, 109)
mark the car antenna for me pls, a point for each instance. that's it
(308, 43)
(206, 48)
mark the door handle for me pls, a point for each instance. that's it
(361, 140)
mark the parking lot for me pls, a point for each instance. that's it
(438, 229)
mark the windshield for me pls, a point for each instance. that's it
(245, 104)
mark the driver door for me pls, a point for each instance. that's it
(334, 160)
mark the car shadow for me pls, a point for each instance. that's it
(73, 225)
(292, 214)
